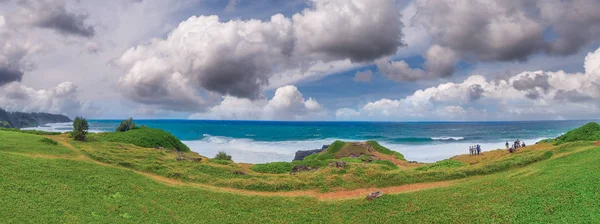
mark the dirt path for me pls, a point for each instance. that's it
(338, 195)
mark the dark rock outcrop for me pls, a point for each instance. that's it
(374, 195)
(300, 155)
(302, 168)
(338, 164)
(23, 120)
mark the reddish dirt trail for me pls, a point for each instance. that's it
(337, 195)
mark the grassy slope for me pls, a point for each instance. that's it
(145, 137)
(588, 132)
(40, 190)
(355, 175)
(28, 143)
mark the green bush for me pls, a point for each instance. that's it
(384, 150)
(222, 162)
(274, 167)
(448, 163)
(48, 141)
(146, 137)
(80, 128)
(222, 156)
(588, 132)
(126, 125)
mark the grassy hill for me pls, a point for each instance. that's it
(112, 182)
(144, 137)
(588, 132)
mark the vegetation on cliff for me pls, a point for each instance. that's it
(588, 132)
(145, 137)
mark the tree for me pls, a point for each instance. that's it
(80, 128)
(222, 156)
(126, 125)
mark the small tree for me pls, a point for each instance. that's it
(222, 156)
(126, 125)
(80, 128)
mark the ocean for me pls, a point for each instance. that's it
(269, 141)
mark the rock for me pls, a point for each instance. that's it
(338, 164)
(300, 155)
(374, 195)
(239, 172)
(179, 158)
(196, 159)
(301, 168)
(159, 148)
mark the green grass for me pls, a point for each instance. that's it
(39, 190)
(28, 143)
(384, 150)
(588, 132)
(34, 132)
(48, 141)
(330, 152)
(144, 137)
(448, 163)
(274, 167)
(223, 173)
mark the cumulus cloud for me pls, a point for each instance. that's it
(492, 31)
(8, 75)
(238, 58)
(364, 76)
(14, 54)
(61, 99)
(354, 29)
(527, 95)
(287, 104)
(439, 62)
(52, 14)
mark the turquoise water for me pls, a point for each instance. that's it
(265, 141)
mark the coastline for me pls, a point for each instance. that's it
(247, 150)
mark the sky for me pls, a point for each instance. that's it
(339, 60)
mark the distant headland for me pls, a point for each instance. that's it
(24, 120)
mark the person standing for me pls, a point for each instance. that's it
(478, 149)
(507, 145)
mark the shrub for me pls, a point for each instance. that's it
(126, 125)
(222, 156)
(222, 162)
(48, 141)
(448, 163)
(80, 128)
(274, 167)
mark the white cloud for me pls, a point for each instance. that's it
(527, 95)
(60, 99)
(499, 31)
(241, 58)
(287, 104)
(354, 29)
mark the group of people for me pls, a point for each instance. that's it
(475, 150)
(517, 144)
